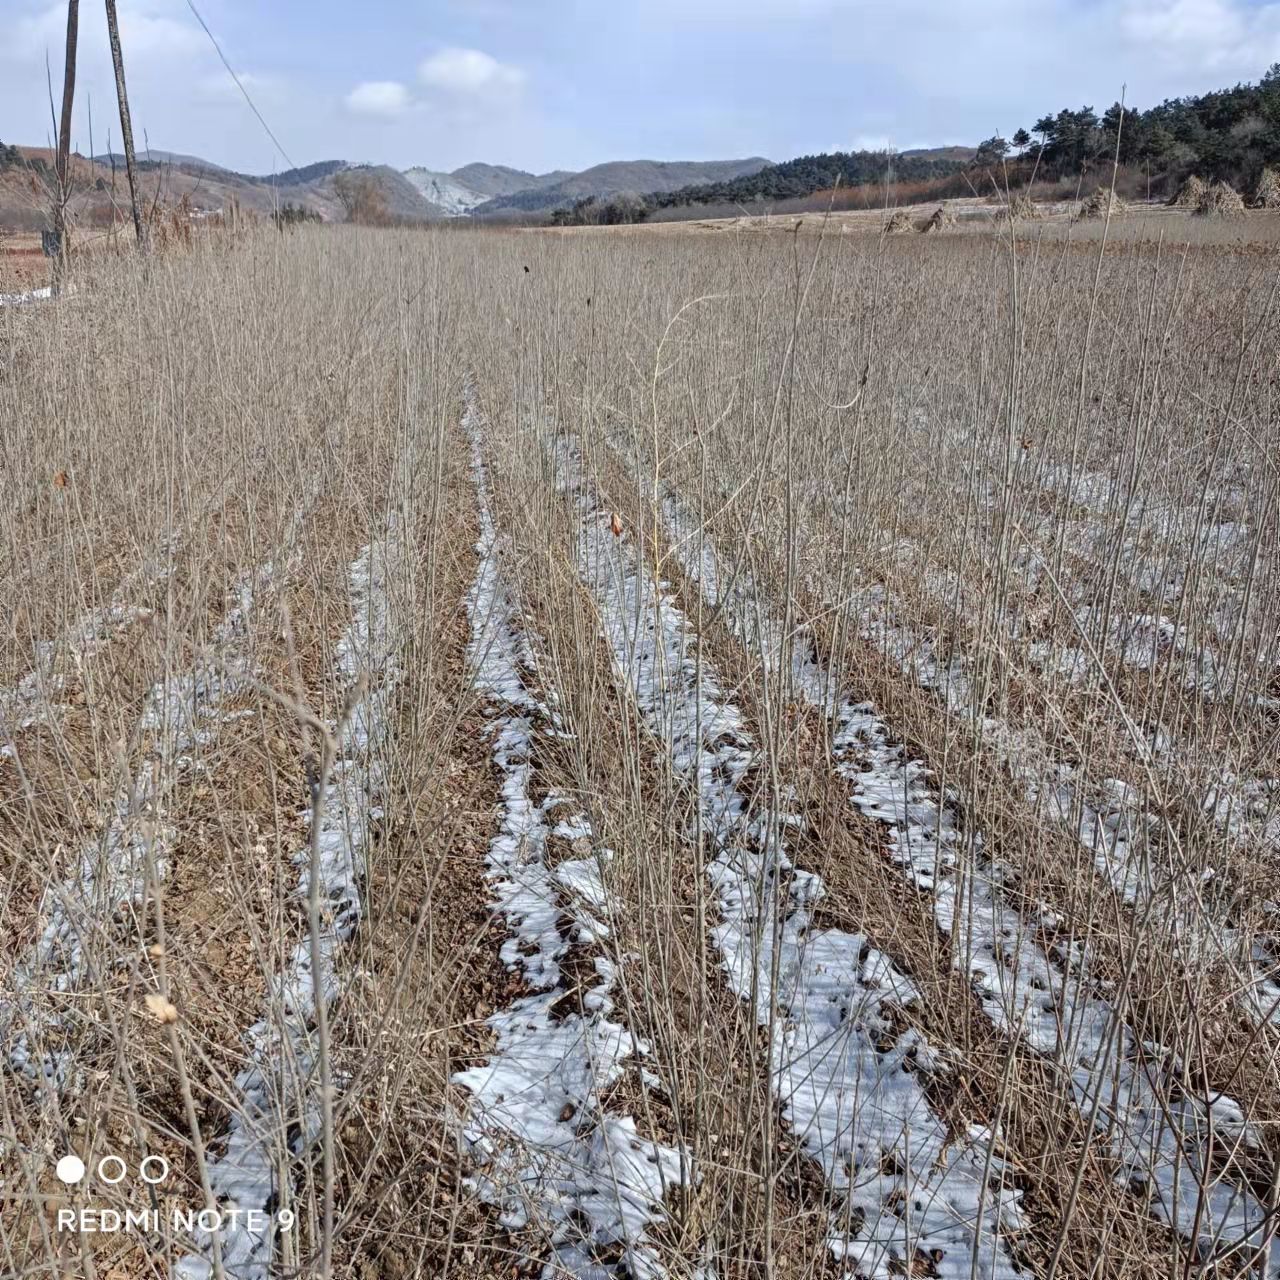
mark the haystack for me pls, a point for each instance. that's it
(1266, 195)
(940, 219)
(1221, 200)
(1189, 195)
(1022, 208)
(898, 223)
(1096, 206)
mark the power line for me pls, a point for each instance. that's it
(236, 78)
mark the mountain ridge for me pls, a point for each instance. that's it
(616, 177)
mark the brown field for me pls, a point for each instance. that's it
(672, 751)
(1143, 223)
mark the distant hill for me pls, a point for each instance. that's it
(500, 180)
(445, 191)
(477, 190)
(153, 156)
(206, 188)
(154, 159)
(618, 176)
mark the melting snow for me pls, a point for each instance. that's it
(547, 1151)
(110, 874)
(32, 295)
(277, 1088)
(848, 1077)
(1159, 1135)
(34, 699)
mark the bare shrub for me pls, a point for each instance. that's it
(363, 200)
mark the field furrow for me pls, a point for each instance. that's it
(288, 1082)
(847, 1076)
(1033, 981)
(550, 1152)
(609, 753)
(111, 876)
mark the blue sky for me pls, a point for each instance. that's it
(544, 84)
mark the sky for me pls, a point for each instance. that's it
(546, 84)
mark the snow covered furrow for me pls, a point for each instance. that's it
(547, 1151)
(1158, 1133)
(1152, 543)
(1109, 817)
(180, 715)
(276, 1113)
(31, 295)
(849, 1078)
(36, 697)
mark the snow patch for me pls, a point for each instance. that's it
(110, 875)
(276, 1091)
(847, 1075)
(546, 1150)
(455, 198)
(1160, 1136)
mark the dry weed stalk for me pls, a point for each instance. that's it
(1025, 503)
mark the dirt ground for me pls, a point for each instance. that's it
(22, 264)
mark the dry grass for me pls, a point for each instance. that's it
(1020, 495)
(1221, 200)
(1100, 204)
(1190, 193)
(1266, 195)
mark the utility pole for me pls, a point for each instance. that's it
(126, 128)
(63, 159)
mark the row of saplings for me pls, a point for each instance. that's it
(1216, 199)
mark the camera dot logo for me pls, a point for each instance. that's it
(70, 1169)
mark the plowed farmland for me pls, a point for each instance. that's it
(642, 756)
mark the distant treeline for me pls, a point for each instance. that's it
(11, 157)
(296, 177)
(288, 178)
(792, 178)
(806, 174)
(1228, 134)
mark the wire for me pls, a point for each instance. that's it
(236, 78)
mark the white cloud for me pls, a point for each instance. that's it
(147, 28)
(469, 73)
(387, 98)
(1206, 35)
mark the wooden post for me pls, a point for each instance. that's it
(63, 157)
(126, 129)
